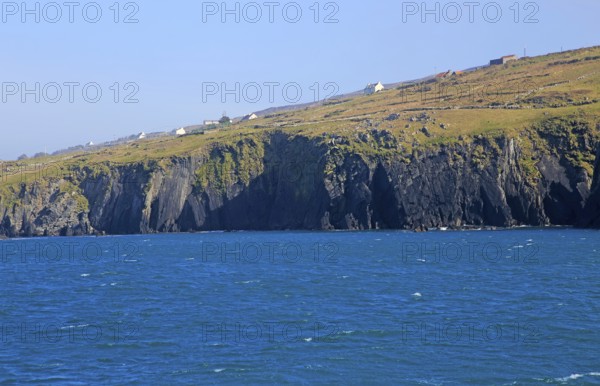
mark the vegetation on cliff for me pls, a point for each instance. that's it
(547, 108)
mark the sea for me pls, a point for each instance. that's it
(502, 307)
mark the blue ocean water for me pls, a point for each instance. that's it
(514, 307)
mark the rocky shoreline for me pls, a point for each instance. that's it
(484, 183)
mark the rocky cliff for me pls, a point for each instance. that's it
(591, 215)
(367, 180)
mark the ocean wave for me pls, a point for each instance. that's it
(573, 377)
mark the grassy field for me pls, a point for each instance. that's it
(492, 101)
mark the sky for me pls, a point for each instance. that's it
(75, 72)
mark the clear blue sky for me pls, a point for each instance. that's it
(171, 52)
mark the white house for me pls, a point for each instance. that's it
(179, 132)
(208, 123)
(142, 135)
(250, 117)
(89, 144)
(374, 88)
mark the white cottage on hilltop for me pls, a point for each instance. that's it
(374, 88)
(250, 117)
(180, 132)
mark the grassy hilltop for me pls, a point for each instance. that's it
(509, 99)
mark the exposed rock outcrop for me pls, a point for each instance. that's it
(591, 215)
(294, 182)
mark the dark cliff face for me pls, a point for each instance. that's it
(448, 187)
(43, 209)
(281, 188)
(591, 215)
(117, 201)
(285, 182)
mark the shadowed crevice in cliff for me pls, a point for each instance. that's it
(386, 210)
(287, 193)
(117, 201)
(566, 191)
(350, 195)
(591, 215)
(493, 210)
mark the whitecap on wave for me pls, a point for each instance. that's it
(570, 377)
(247, 282)
(573, 377)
